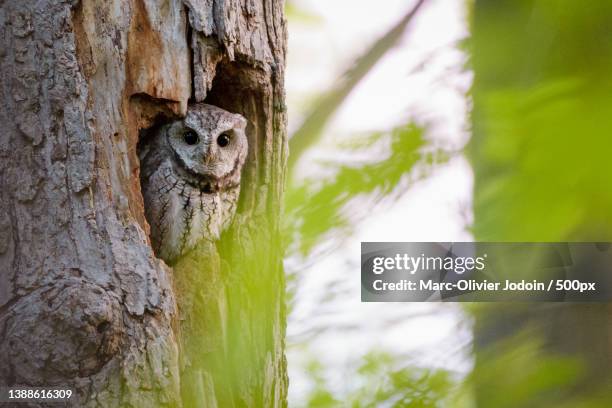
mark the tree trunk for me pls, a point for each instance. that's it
(84, 303)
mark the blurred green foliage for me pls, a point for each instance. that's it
(541, 120)
(540, 150)
(518, 370)
(541, 141)
(377, 381)
(309, 132)
(513, 373)
(315, 208)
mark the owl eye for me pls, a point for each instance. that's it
(223, 139)
(190, 137)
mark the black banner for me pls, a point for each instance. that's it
(486, 272)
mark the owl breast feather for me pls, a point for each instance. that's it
(181, 215)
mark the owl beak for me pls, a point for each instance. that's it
(208, 154)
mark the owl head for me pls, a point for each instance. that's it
(209, 147)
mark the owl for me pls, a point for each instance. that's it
(190, 178)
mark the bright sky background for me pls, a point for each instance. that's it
(421, 79)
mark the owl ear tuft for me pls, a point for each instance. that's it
(241, 121)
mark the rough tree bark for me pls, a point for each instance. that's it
(83, 300)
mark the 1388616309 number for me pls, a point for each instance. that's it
(8, 394)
